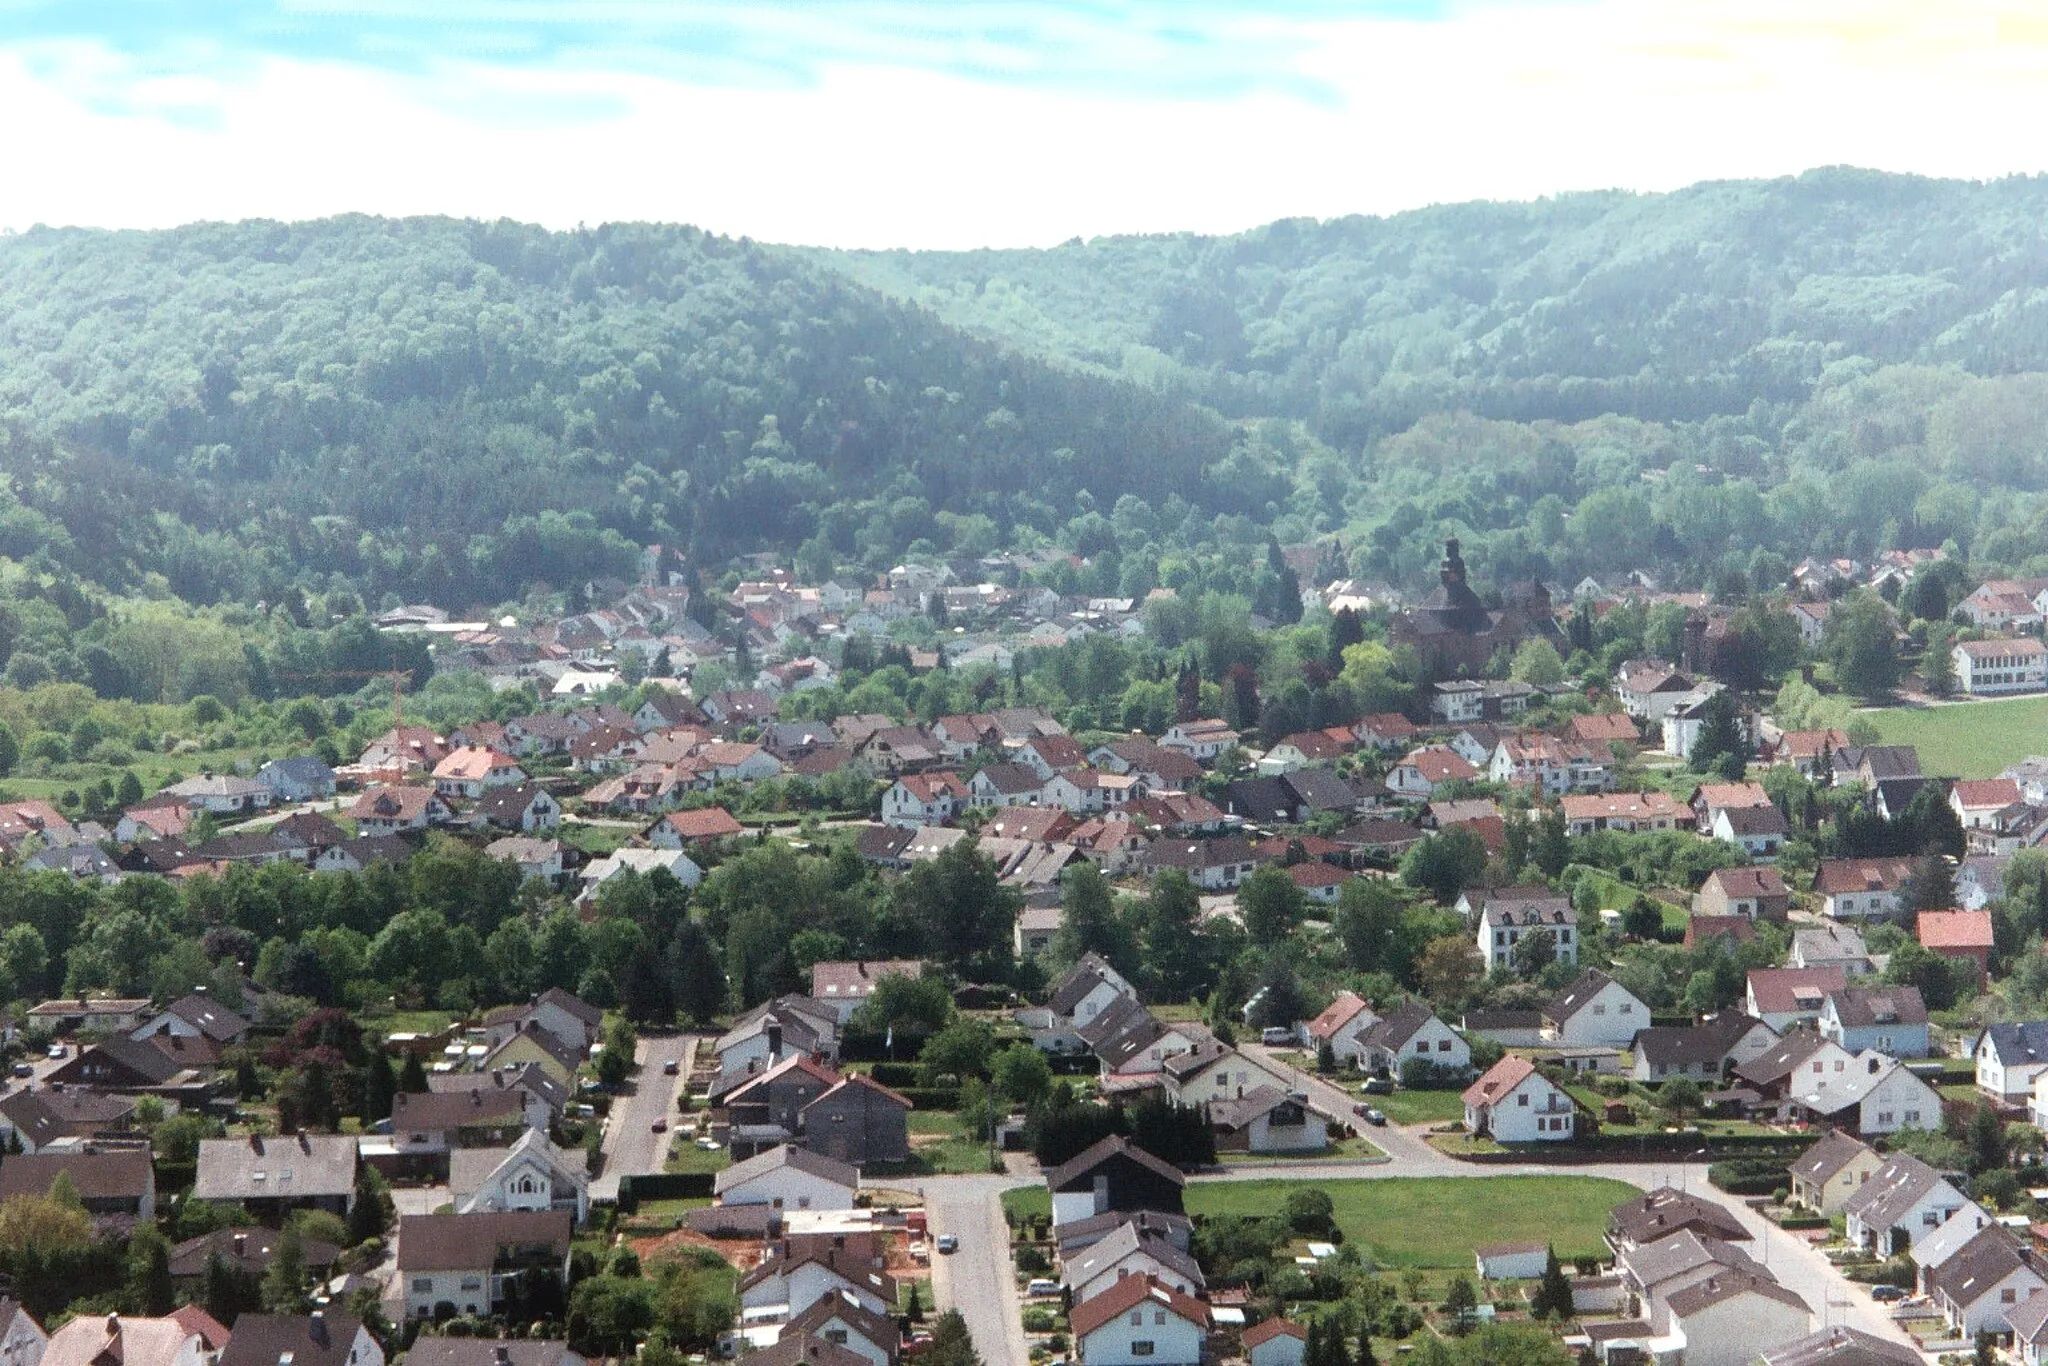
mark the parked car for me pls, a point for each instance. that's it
(22, 1069)
(1042, 1287)
(1885, 1294)
(948, 1243)
(670, 1068)
(56, 1050)
(1378, 1086)
(659, 1126)
(1374, 1117)
(1275, 1034)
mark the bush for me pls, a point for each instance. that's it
(1747, 1175)
(1420, 1074)
(1031, 1259)
(1040, 1320)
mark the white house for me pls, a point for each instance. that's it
(788, 1177)
(675, 863)
(1891, 1020)
(1992, 667)
(1509, 915)
(1758, 831)
(1991, 1276)
(1595, 1011)
(1906, 1197)
(473, 770)
(1514, 1103)
(1274, 1342)
(1874, 1095)
(2010, 1058)
(1126, 1252)
(532, 1174)
(1732, 1316)
(1410, 1033)
(465, 1261)
(1343, 1025)
(1090, 987)
(1139, 1322)
(1201, 741)
(1525, 1261)
(917, 799)
(221, 794)
(300, 779)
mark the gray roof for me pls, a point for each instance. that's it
(803, 1159)
(245, 1249)
(1983, 1262)
(1101, 1151)
(1652, 1264)
(1857, 1007)
(1393, 1030)
(1080, 1233)
(1235, 1114)
(1123, 1242)
(321, 1339)
(298, 1166)
(1579, 995)
(1893, 1190)
(439, 1351)
(1712, 1291)
(1839, 1346)
(1783, 1058)
(1664, 1212)
(1834, 1151)
(2018, 1043)
(470, 1242)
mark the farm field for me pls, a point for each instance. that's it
(1970, 739)
(1437, 1221)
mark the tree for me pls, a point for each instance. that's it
(379, 1086)
(373, 1209)
(1553, 1298)
(1369, 924)
(1551, 849)
(1535, 951)
(1447, 967)
(615, 1061)
(1719, 745)
(284, 1283)
(952, 1345)
(412, 1074)
(1930, 886)
(1859, 643)
(1021, 1074)
(10, 751)
(1937, 663)
(1537, 662)
(916, 1006)
(1912, 964)
(1270, 903)
(1680, 1097)
(700, 989)
(149, 1288)
(1176, 951)
(222, 1293)
(1089, 923)
(1445, 864)
(962, 1050)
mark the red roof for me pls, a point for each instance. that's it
(1270, 1329)
(1127, 1294)
(1439, 765)
(1955, 929)
(1337, 1015)
(1311, 875)
(1986, 794)
(706, 823)
(1500, 1079)
(1603, 727)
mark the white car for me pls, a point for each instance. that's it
(1042, 1287)
(1276, 1035)
(948, 1243)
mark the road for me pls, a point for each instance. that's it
(977, 1280)
(631, 1147)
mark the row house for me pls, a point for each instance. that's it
(1626, 811)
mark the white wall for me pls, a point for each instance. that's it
(1175, 1341)
(788, 1188)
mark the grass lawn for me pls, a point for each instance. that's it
(1437, 1221)
(595, 840)
(1968, 739)
(1419, 1107)
(1348, 1149)
(1025, 1201)
(685, 1156)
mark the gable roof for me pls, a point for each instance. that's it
(786, 1155)
(1268, 1329)
(1783, 1058)
(297, 1166)
(878, 1329)
(1718, 1288)
(1749, 881)
(322, 1339)
(1861, 1007)
(1664, 1211)
(1893, 1190)
(1104, 1150)
(117, 1340)
(1127, 1294)
(1124, 1241)
(1840, 1346)
(1337, 1014)
(2017, 1041)
(1823, 1160)
(1778, 991)
(470, 1242)
(117, 1174)
(1954, 929)
(1581, 994)
(1499, 1080)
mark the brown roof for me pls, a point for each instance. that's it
(324, 1338)
(1778, 990)
(120, 1174)
(434, 1111)
(1101, 1151)
(856, 980)
(1955, 929)
(1857, 875)
(117, 1340)
(244, 1249)
(1337, 1014)
(705, 823)
(1499, 1080)
(1269, 1329)
(196, 1320)
(470, 1242)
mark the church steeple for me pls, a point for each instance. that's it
(1452, 575)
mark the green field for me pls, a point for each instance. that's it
(1437, 1221)
(1419, 1107)
(1026, 1201)
(1968, 740)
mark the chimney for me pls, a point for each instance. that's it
(316, 1327)
(241, 1245)
(775, 1043)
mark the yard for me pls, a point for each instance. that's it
(1420, 1107)
(1027, 1202)
(1437, 1221)
(1345, 1149)
(685, 1156)
(1968, 739)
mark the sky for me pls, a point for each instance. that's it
(882, 123)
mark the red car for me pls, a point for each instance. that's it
(660, 1126)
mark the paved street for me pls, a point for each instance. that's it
(977, 1280)
(631, 1147)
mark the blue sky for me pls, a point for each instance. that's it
(896, 122)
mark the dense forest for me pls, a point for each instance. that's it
(456, 411)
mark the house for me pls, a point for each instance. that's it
(429, 1123)
(1139, 1322)
(301, 779)
(1701, 930)
(159, 818)
(221, 794)
(1861, 889)
(1758, 831)
(1650, 688)
(325, 1337)
(1801, 1060)
(2028, 1321)
(1200, 740)
(763, 1036)
(924, 799)
(2003, 605)
(389, 810)
(1342, 1025)
(2009, 1059)
(563, 1014)
(1509, 914)
(1809, 751)
(1212, 865)
(1701, 1052)
(525, 807)
(1036, 928)
(1004, 785)
(535, 857)
(1663, 1213)
(273, 1175)
(1384, 730)
(1424, 770)
(544, 1098)
(684, 829)
(195, 1016)
(1594, 1011)
(841, 1320)
(1783, 997)
(1274, 1342)
(473, 1264)
(1756, 893)
(120, 1063)
(764, 1109)
(1112, 1174)
(1990, 668)
(858, 1121)
(124, 1340)
(444, 1351)
(1081, 1234)
(1603, 730)
(108, 1180)
(1514, 1103)
(1681, 727)
(365, 851)
(1466, 699)
(788, 1178)
(802, 1269)
(1936, 1249)
(37, 1119)
(841, 988)
(1962, 936)
(247, 1250)
(1891, 1020)
(1412, 1032)
(1832, 1170)
(1586, 813)
(1267, 1119)
(1087, 989)
(645, 862)
(1128, 1252)
(1211, 1070)
(1992, 1275)
(1977, 802)
(1903, 1201)
(1831, 946)
(1875, 1095)
(91, 1014)
(529, 1174)
(1730, 1317)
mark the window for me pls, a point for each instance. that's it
(423, 1285)
(472, 1283)
(1599, 1007)
(1628, 1007)
(1443, 1045)
(837, 1335)
(1141, 1349)
(2008, 1296)
(1912, 1117)
(1137, 1318)
(1884, 1116)
(1522, 1099)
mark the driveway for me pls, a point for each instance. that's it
(977, 1280)
(631, 1147)
(1407, 1150)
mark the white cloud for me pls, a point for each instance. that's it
(1490, 103)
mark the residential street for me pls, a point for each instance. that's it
(977, 1279)
(631, 1147)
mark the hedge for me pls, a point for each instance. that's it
(931, 1097)
(1748, 1176)
(662, 1186)
(896, 1074)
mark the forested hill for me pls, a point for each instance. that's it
(398, 402)
(1666, 307)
